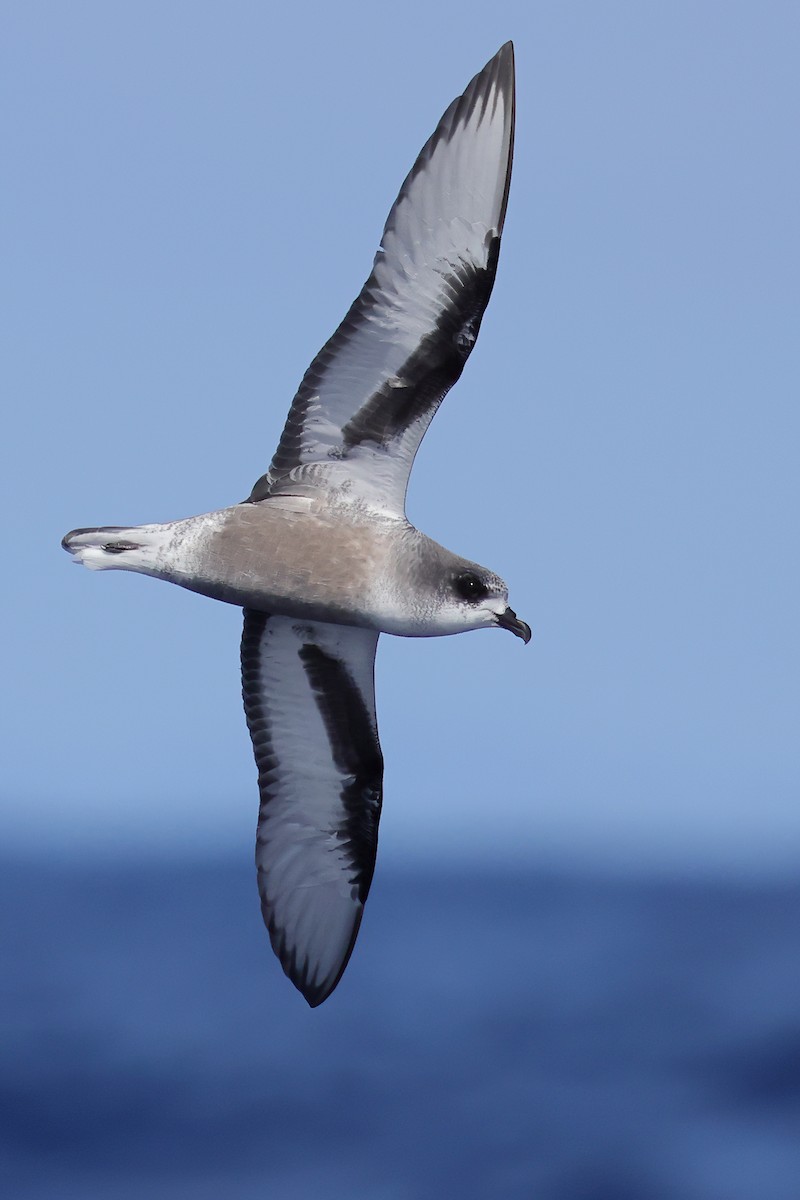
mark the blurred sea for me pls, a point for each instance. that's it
(556, 1038)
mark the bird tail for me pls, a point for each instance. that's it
(116, 547)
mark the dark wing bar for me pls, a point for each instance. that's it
(369, 395)
(310, 705)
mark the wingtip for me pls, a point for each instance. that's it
(314, 992)
(315, 999)
(506, 71)
(499, 73)
(317, 993)
(503, 60)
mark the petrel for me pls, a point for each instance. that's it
(321, 556)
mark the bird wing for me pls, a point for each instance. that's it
(368, 397)
(309, 699)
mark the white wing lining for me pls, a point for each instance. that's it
(310, 706)
(368, 397)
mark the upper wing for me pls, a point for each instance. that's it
(309, 700)
(369, 395)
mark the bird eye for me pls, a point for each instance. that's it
(470, 586)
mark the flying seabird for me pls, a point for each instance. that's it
(321, 556)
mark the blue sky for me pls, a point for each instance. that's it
(194, 194)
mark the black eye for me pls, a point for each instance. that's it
(470, 586)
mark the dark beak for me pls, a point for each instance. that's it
(510, 620)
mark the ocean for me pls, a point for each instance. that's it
(497, 1034)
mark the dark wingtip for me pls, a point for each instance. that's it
(314, 994)
(500, 70)
(503, 60)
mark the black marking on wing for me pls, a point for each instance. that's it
(411, 395)
(259, 725)
(357, 754)
(353, 739)
(255, 708)
(428, 374)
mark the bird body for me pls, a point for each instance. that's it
(301, 558)
(321, 555)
